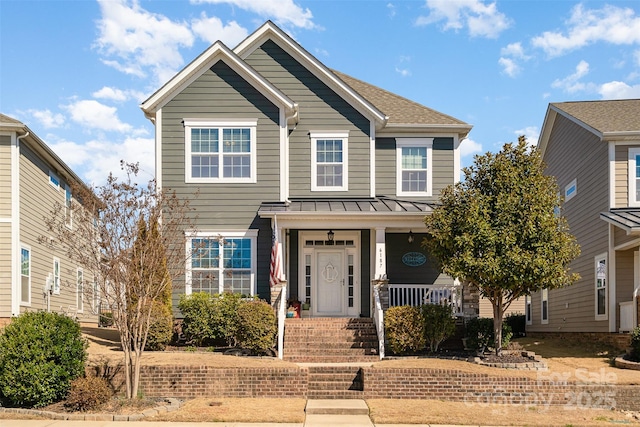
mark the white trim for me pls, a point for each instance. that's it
(570, 190)
(611, 275)
(15, 224)
(544, 297)
(284, 161)
(414, 142)
(221, 125)
(372, 159)
(612, 175)
(628, 245)
(158, 153)
(251, 234)
(67, 191)
(606, 283)
(528, 313)
(54, 176)
(80, 289)
(56, 289)
(314, 136)
(27, 248)
(631, 175)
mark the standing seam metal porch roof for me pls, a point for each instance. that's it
(625, 218)
(380, 205)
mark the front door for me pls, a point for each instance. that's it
(330, 276)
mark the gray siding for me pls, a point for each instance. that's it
(574, 153)
(442, 164)
(320, 109)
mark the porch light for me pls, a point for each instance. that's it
(330, 235)
(410, 238)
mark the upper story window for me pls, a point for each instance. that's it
(223, 151)
(413, 166)
(570, 190)
(329, 161)
(634, 177)
(67, 206)
(54, 180)
(223, 262)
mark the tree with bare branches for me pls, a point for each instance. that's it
(131, 238)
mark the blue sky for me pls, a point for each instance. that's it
(76, 71)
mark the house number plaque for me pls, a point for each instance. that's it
(414, 259)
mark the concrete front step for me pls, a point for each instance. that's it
(336, 407)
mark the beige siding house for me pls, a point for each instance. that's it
(35, 276)
(593, 150)
(342, 170)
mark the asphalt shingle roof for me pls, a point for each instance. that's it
(605, 116)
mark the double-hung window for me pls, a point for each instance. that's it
(224, 262)
(544, 307)
(634, 177)
(222, 151)
(329, 161)
(601, 287)
(413, 166)
(25, 275)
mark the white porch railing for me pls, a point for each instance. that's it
(627, 316)
(416, 295)
(281, 309)
(378, 318)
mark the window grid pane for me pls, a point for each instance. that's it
(237, 166)
(329, 159)
(414, 169)
(204, 140)
(236, 140)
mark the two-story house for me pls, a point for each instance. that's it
(270, 135)
(593, 150)
(33, 275)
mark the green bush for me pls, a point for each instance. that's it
(40, 354)
(225, 317)
(480, 336)
(161, 328)
(634, 353)
(439, 324)
(256, 326)
(404, 329)
(198, 310)
(87, 394)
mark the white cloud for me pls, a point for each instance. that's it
(392, 10)
(211, 29)
(611, 24)
(619, 90)
(531, 134)
(47, 118)
(321, 52)
(481, 19)
(284, 12)
(469, 146)
(110, 93)
(509, 66)
(514, 50)
(95, 159)
(571, 83)
(404, 72)
(96, 116)
(134, 40)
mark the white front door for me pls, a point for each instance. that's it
(330, 276)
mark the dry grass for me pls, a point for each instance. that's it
(238, 410)
(441, 412)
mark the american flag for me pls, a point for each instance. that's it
(275, 268)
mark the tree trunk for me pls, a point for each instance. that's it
(497, 328)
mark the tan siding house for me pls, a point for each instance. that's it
(602, 141)
(33, 276)
(341, 171)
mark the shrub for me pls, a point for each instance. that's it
(404, 329)
(256, 326)
(198, 310)
(225, 317)
(439, 324)
(480, 336)
(634, 353)
(40, 354)
(87, 394)
(517, 323)
(161, 328)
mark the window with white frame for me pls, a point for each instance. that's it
(570, 190)
(329, 161)
(527, 310)
(67, 206)
(544, 306)
(634, 176)
(413, 166)
(54, 180)
(79, 290)
(220, 151)
(601, 287)
(56, 276)
(223, 262)
(25, 275)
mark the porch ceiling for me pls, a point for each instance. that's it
(626, 219)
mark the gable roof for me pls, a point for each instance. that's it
(404, 113)
(216, 52)
(609, 120)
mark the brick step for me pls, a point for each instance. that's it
(336, 344)
(335, 394)
(346, 353)
(331, 358)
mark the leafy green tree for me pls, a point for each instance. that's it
(500, 230)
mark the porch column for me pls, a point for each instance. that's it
(380, 271)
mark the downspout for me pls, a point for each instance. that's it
(15, 227)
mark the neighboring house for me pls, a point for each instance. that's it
(32, 180)
(269, 135)
(593, 150)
